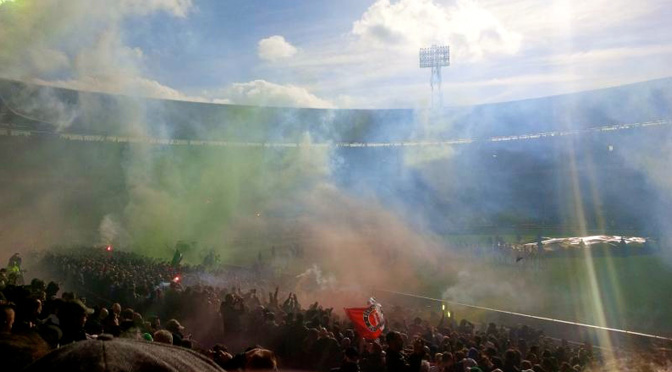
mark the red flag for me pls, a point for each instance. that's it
(368, 321)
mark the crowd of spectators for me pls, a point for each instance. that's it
(256, 327)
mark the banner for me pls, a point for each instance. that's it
(369, 321)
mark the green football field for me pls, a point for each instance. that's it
(632, 293)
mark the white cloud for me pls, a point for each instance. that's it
(541, 20)
(406, 25)
(597, 56)
(257, 92)
(127, 85)
(264, 93)
(275, 48)
(222, 101)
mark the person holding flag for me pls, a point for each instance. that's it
(177, 258)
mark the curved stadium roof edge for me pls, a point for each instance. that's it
(73, 111)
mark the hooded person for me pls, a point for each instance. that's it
(73, 315)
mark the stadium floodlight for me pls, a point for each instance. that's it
(435, 57)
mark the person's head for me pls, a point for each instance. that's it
(220, 347)
(497, 362)
(73, 314)
(29, 308)
(228, 299)
(37, 285)
(260, 360)
(575, 361)
(345, 343)
(7, 315)
(447, 359)
(112, 319)
(394, 341)
(163, 336)
(102, 315)
(155, 321)
(566, 367)
(127, 314)
(468, 363)
(52, 289)
(312, 334)
(220, 355)
(116, 308)
(510, 358)
(351, 355)
(51, 334)
(137, 320)
(174, 326)
(538, 368)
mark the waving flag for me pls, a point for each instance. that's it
(369, 321)
(177, 258)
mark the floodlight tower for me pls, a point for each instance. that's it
(435, 57)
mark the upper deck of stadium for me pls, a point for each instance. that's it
(43, 109)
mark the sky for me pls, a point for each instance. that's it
(334, 54)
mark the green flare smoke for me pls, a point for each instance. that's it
(203, 195)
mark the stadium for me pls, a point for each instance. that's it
(526, 234)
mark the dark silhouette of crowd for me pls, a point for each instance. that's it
(124, 296)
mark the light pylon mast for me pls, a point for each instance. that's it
(435, 57)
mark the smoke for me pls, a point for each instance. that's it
(41, 104)
(476, 286)
(363, 243)
(80, 44)
(112, 232)
(315, 280)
